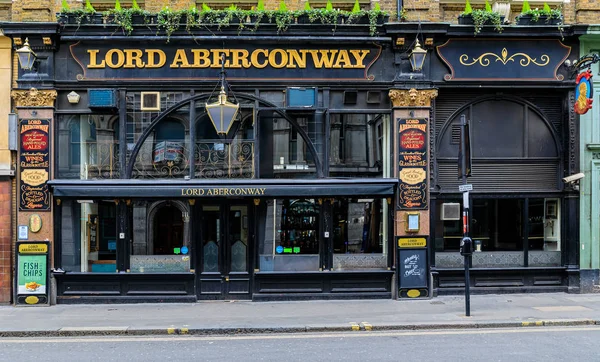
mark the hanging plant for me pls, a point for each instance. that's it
(283, 17)
(168, 20)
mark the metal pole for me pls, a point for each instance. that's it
(467, 257)
(464, 164)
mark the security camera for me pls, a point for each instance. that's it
(573, 178)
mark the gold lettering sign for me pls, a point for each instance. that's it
(224, 191)
(412, 176)
(234, 58)
(33, 249)
(34, 177)
(412, 242)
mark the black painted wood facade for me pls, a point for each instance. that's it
(550, 100)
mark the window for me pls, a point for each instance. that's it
(291, 236)
(356, 147)
(88, 236)
(359, 234)
(503, 230)
(80, 154)
(160, 237)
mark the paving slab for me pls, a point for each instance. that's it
(230, 317)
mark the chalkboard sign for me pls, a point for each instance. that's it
(412, 270)
(92, 232)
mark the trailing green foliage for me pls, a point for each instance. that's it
(167, 20)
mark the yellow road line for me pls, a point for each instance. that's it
(532, 324)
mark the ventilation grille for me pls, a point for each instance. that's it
(373, 97)
(150, 101)
(450, 211)
(502, 177)
(350, 97)
(455, 140)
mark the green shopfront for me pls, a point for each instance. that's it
(590, 166)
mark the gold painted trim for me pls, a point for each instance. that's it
(256, 202)
(412, 97)
(34, 98)
(192, 202)
(483, 60)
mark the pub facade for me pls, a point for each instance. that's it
(307, 164)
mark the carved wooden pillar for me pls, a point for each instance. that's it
(412, 147)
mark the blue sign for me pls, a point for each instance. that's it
(112, 245)
(184, 250)
(279, 249)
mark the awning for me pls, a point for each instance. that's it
(134, 188)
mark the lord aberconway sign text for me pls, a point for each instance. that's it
(99, 62)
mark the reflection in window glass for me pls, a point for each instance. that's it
(359, 234)
(497, 225)
(356, 147)
(291, 241)
(160, 243)
(81, 156)
(88, 236)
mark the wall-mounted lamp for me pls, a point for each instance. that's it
(27, 56)
(417, 57)
(73, 97)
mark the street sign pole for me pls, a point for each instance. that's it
(465, 168)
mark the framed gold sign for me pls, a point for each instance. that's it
(413, 222)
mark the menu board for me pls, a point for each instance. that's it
(34, 164)
(92, 232)
(412, 266)
(32, 273)
(412, 164)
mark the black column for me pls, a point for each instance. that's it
(192, 128)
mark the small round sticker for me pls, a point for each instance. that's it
(184, 250)
(279, 249)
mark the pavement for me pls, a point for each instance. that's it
(237, 317)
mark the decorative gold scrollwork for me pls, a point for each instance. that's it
(484, 61)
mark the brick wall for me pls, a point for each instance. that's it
(575, 11)
(5, 12)
(5, 242)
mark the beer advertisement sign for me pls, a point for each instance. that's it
(34, 164)
(412, 163)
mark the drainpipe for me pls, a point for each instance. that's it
(399, 5)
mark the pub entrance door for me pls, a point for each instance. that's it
(225, 231)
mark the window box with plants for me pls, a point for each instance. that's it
(87, 15)
(544, 16)
(372, 17)
(167, 20)
(481, 17)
